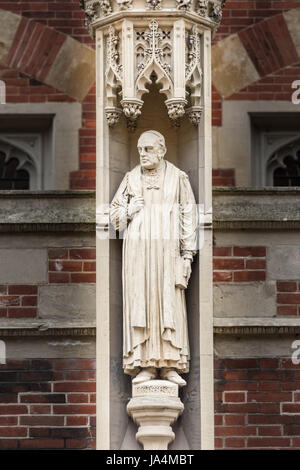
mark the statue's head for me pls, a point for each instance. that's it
(152, 149)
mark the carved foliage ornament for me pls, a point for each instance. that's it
(183, 4)
(153, 46)
(153, 60)
(96, 9)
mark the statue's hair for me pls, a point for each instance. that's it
(161, 139)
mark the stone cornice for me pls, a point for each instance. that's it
(47, 211)
(256, 208)
(256, 326)
(24, 327)
(246, 191)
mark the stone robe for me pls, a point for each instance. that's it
(155, 330)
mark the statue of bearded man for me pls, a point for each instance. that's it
(156, 208)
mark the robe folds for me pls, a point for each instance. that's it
(155, 332)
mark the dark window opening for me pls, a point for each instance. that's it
(289, 175)
(10, 176)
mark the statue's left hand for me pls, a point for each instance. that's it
(187, 268)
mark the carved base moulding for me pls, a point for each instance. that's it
(154, 407)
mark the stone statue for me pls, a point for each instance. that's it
(156, 208)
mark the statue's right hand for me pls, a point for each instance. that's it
(135, 205)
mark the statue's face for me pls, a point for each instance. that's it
(150, 151)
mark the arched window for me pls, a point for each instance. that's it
(11, 176)
(283, 167)
(19, 169)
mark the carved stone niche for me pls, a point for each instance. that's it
(153, 39)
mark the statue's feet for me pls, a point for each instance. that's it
(144, 375)
(172, 376)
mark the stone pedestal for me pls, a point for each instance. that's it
(154, 406)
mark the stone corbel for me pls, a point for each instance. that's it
(112, 115)
(132, 109)
(194, 114)
(176, 108)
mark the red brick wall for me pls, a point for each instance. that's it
(288, 298)
(64, 16)
(238, 15)
(65, 265)
(18, 301)
(72, 265)
(257, 403)
(273, 60)
(20, 88)
(275, 87)
(47, 404)
(224, 177)
(239, 264)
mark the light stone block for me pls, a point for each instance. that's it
(254, 346)
(55, 347)
(257, 238)
(283, 262)
(9, 23)
(232, 68)
(65, 301)
(24, 266)
(73, 70)
(245, 300)
(292, 18)
(232, 141)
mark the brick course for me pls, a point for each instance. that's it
(36, 416)
(288, 298)
(257, 403)
(18, 301)
(239, 264)
(72, 265)
(223, 177)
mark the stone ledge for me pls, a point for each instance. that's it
(47, 211)
(25, 327)
(248, 190)
(256, 326)
(256, 208)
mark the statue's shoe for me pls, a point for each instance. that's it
(174, 377)
(143, 376)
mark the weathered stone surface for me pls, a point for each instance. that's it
(245, 300)
(253, 346)
(47, 210)
(66, 347)
(256, 207)
(65, 301)
(283, 262)
(24, 266)
(232, 68)
(292, 18)
(73, 70)
(47, 240)
(9, 23)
